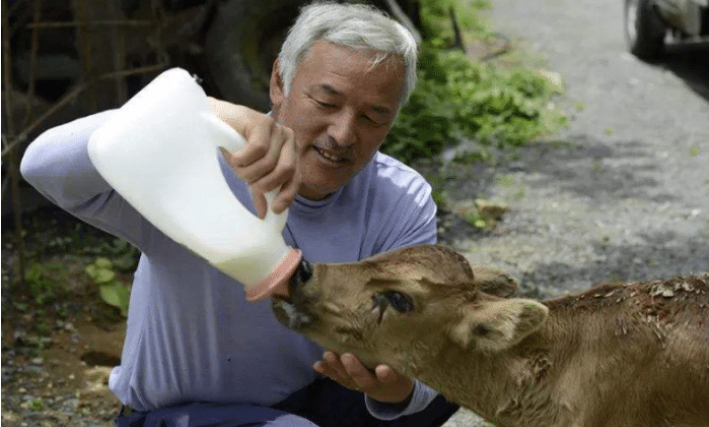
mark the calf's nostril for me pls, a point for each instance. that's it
(303, 273)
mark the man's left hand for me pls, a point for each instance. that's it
(384, 385)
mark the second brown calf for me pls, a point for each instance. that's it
(618, 355)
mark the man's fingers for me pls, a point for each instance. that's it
(322, 368)
(286, 196)
(269, 160)
(266, 140)
(325, 368)
(260, 203)
(236, 116)
(278, 169)
(357, 372)
(283, 199)
(279, 175)
(332, 367)
(385, 374)
(259, 138)
(334, 363)
(259, 157)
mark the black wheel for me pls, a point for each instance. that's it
(644, 30)
(241, 45)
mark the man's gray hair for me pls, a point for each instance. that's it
(355, 26)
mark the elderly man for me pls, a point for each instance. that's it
(196, 352)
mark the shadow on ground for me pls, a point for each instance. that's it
(596, 173)
(579, 164)
(663, 255)
(593, 169)
(690, 62)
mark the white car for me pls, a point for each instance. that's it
(650, 23)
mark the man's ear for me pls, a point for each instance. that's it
(498, 325)
(276, 86)
(495, 282)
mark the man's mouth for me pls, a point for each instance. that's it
(330, 156)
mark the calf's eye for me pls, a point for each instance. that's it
(399, 301)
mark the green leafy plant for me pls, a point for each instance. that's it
(457, 97)
(436, 19)
(44, 280)
(36, 404)
(124, 256)
(482, 214)
(112, 290)
(468, 157)
(440, 198)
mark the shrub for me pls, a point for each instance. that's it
(458, 98)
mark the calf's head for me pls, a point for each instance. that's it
(404, 307)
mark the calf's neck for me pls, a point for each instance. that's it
(618, 355)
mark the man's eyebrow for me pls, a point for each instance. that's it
(380, 109)
(329, 90)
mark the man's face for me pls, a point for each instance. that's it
(340, 108)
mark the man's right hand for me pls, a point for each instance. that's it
(270, 158)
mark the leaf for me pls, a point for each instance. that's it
(124, 263)
(117, 295)
(103, 263)
(100, 275)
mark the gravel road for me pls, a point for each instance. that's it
(623, 192)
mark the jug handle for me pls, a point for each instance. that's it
(229, 139)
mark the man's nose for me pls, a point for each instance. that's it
(344, 129)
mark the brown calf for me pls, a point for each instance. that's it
(618, 355)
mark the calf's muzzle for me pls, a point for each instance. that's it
(303, 273)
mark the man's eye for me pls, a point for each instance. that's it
(373, 122)
(399, 301)
(325, 104)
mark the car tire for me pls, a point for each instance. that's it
(644, 30)
(241, 44)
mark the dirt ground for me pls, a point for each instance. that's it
(52, 387)
(58, 346)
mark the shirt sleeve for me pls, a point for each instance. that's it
(57, 164)
(421, 397)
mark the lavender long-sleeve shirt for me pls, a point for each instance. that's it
(191, 334)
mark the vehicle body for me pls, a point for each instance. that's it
(651, 24)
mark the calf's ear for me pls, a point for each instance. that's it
(497, 325)
(495, 282)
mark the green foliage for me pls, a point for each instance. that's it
(469, 157)
(44, 280)
(458, 98)
(124, 256)
(440, 198)
(482, 214)
(112, 290)
(476, 219)
(436, 19)
(36, 404)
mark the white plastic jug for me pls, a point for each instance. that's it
(160, 152)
